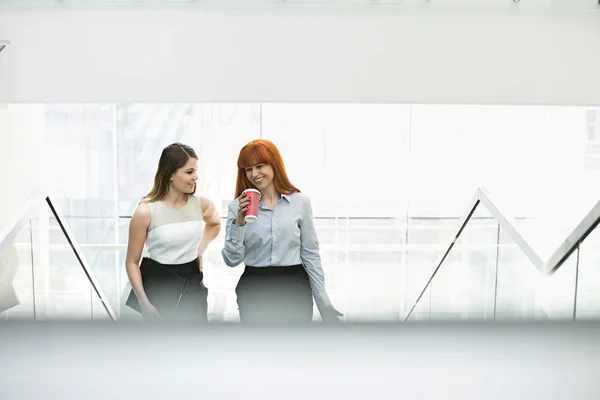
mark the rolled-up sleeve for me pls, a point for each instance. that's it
(233, 251)
(311, 258)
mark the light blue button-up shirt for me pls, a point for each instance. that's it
(282, 237)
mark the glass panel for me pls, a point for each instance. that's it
(464, 285)
(369, 273)
(109, 270)
(517, 279)
(588, 279)
(93, 234)
(427, 239)
(221, 281)
(525, 293)
(49, 281)
(65, 287)
(556, 293)
(554, 219)
(371, 285)
(17, 299)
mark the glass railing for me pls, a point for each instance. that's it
(491, 271)
(588, 277)
(43, 274)
(551, 214)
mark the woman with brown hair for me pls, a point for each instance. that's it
(283, 270)
(169, 221)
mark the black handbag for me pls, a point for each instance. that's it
(171, 298)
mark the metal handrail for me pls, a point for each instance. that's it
(548, 268)
(16, 223)
(573, 240)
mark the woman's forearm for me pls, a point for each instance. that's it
(209, 234)
(135, 278)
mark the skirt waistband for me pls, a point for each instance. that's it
(151, 267)
(273, 270)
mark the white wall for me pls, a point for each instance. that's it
(363, 54)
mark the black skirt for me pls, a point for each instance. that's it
(275, 295)
(176, 290)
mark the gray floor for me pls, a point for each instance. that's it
(415, 361)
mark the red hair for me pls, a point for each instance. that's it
(262, 151)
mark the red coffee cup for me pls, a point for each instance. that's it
(254, 196)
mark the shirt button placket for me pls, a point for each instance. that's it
(273, 220)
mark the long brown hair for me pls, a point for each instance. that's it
(262, 151)
(173, 157)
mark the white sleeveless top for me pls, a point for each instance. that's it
(174, 233)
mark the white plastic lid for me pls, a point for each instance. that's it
(250, 218)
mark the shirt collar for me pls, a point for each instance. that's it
(284, 196)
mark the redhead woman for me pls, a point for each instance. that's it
(280, 249)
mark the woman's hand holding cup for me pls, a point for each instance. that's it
(248, 207)
(243, 207)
